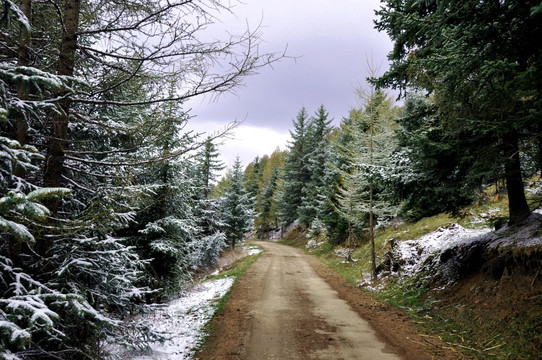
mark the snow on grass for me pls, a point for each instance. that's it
(526, 236)
(412, 256)
(253, 250)
(313, 244)
(414, 253)
(182, 321)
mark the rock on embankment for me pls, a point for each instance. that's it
(453, 252)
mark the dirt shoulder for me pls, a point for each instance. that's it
(297, 325)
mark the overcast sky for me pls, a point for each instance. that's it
(331, 40)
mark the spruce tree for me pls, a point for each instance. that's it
(237, 207)
(433, 172)
(481, 72)
(295, 173)
(364, 192)
(211, 238)
(315, 162)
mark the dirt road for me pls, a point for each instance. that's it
(284, 309)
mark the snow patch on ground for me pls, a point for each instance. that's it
(415, 253)
(485, 217)
(313, 244)
(535, 189)
(182, 321)
(450, 248)
(345, 254)
(253, 250)
(526, 236)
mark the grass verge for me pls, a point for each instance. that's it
(236, 270)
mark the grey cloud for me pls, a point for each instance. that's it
(332, 61)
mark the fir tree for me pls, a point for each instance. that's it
(480, 72)
(295, 173)
(364, 188)
(314, 165)
(237, 208)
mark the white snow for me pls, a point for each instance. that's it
(526, 236)
(253, 250)
(416, 252)
(313, 244)
(413, 255)
(182, 321)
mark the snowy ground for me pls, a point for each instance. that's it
(183, 320)
(413, 256)
(253, 250)
(415, 253)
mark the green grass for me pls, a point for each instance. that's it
(235, 270)
(409, 295)
(238, 268)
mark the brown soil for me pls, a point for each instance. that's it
(290, 306)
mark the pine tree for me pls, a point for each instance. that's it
(364, 187)
(237, 207)
(433, 171)
(168, 227)
(295, 174)
(480, 72)
(209, 243)
(253, 179)
(314, 165)
(208, 165)
(267, 218)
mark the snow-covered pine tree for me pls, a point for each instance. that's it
(314, 164)
(237, 206)
(295, 173)
(433, 170)
(167, 225)
(340, 158)
(363, 191)
(39, 312)
(211, 240)
(84, 103)
(267, 218)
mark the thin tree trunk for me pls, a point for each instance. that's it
(371, 233)
(540, 147)
(350, 232)
(518, 208)
(23, 59)
(54, 164)
(371, 215)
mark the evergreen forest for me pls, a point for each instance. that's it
(108, 205)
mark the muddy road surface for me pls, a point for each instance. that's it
(289, 306)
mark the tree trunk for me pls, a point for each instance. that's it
(23, 59)
(371, 200)
(372, 233)
(539, 134)
(54, 164)
(518, 208)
